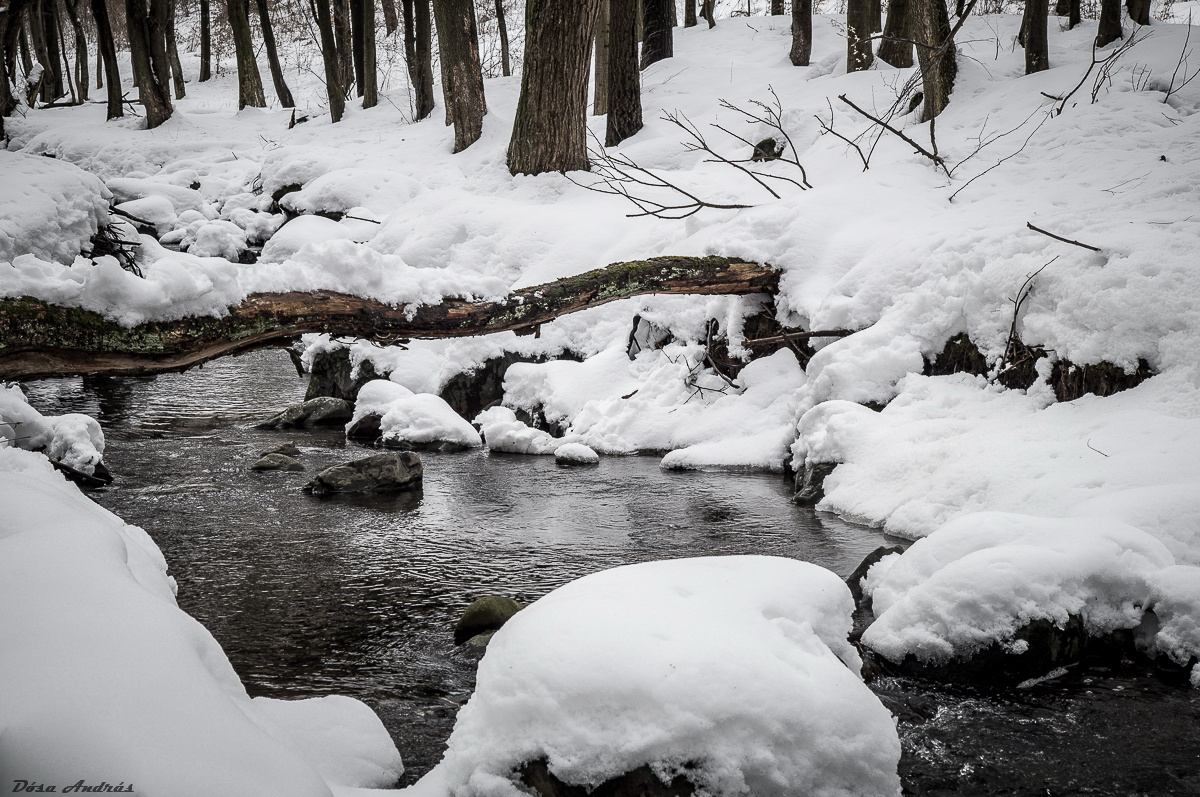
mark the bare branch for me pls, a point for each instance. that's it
(938, 160)
(1060, 238)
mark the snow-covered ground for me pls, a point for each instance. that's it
(1029, 508)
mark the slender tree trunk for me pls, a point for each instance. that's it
(333, 78)
(345, 45)
(1109, 28)
(108, 52)
(708, 11)
(26, 57)
(62, 51)
(390, 21)
(502, 27)
(1075, 16)
(43, 25)
(11, 25)
(1034, 24)
(858, 35)
(99, 70)
(801, 50)
(82, 77)
(458, 43)
(418, 50)
(550, 129)
(600, 60)
(899, 26)
(173, 52)
(268, 34)
(777, 8)
(358, 44)
(369, 80)
(151, 76)
(689, 13)
(205, 40)
(938, 58)
(657, 42)
(624, 81)
(250, 87)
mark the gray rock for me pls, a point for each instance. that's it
(488, 613)
(333, 375)
(276, 462)
(288, 449)
(477, 645)
(322, 411)
(368, 427)
(381, 473)
(810, 485)
(640, 782)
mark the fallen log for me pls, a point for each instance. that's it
(40, 340)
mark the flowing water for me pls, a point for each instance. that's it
(359, 597)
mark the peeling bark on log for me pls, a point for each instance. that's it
(39, 340)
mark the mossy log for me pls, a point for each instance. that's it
(39, 340)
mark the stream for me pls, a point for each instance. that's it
(359, 597)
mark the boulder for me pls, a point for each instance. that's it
(289, 449)
(335, 376)
(863, 615)
(276, 462)
(572, 455)
(321, 411)
(640, 782)
(368, 427)
(810, 485)
(488, 613)
(380, 473)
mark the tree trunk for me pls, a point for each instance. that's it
(1075, 15)
(41, 340)
(624, 82)
(369, 79)
(250, 87)
(62, 50)
(801, 50)
(390, 21)
(82, 77)
(1034, 24)
(418, 52)
(149, 70)
(11, 25)
(502, 27)
(43, 27)
(333, 77)
(345, 45)
(777, 8)
(458, 43)
(858, 35)
(876, 16)
(1109, 28)
(550, 129)
(268, 33)
(357, 44)
(205, 40)
(108, 51)
(173, 52)
(600, 60)
(657, 42)
(1139, 11)
(938, 57)
(689, 13)
(26, 58)
(708, 11)
(899, 26)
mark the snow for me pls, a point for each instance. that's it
(575, 454)
(416, 418)
(73, 439)
(47, 208)
(112, 681)
(650, 679)
(503, 431)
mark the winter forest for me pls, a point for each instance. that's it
(627, 398)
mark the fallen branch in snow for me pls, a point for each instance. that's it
(1106, 65)
(790, 336)
(937, 159)
(1060, 238)
(1014, 344)
(827, 127)
(39, 340)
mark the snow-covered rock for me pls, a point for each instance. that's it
(575, 454)
(733, 670)
(414, 418)
(75, 440)
(48, 208)
(503, 431)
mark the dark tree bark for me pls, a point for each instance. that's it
(600, 60)
(458, 43)
(876, 16)
(43, 27)
(550, 129)
(689, 13)
(1109, 28)
(333, 77)
(205, 40)
(173, 52)
(1034, 24)
(937, 58)
(345, 44)
(708, 11)
(108, 52)
(1139, 11)
(892, 49)
(358, 44)
(11, 25)
(250, 87)
(390, 21)
(82, 78)
(502, 28)
(657, 41)
(41, 340)
(268, 33)
(858, 35)
(777, 8)
(418, 48)
(801, 50)
(26, 58)
(624, 82)
(149, 62)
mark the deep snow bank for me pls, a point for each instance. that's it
(47, 207)
(735, 670)
(73, 439)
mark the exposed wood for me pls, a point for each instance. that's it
(790, 336)
(39, 340)
(1060, 238)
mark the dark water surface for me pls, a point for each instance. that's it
(312, 597)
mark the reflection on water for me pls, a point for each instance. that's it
(359, 597)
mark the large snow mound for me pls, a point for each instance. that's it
(111, 681)
(48, 208)
(73, 439)
(733, 669)
(417, 418)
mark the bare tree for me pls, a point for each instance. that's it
(173, 51)
(11, 18)
(418, 53)
(896, 47)
(502, 29)
(858, 35)
(81, 52)
(362, 28)
(268, 33)
(1109, 28)
(936, 53)
(624, 82)
(1034, 36)
(689, 13)
(1139, 11)
(250, 87)
(777, 9)
(205, 39)
(801, 50)
(390, 21)
(550, 129)
(657, 42)
(147, 52)
(462, 83)
(345, 45)
(323, 15)
(600, 60)
(108, 53)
